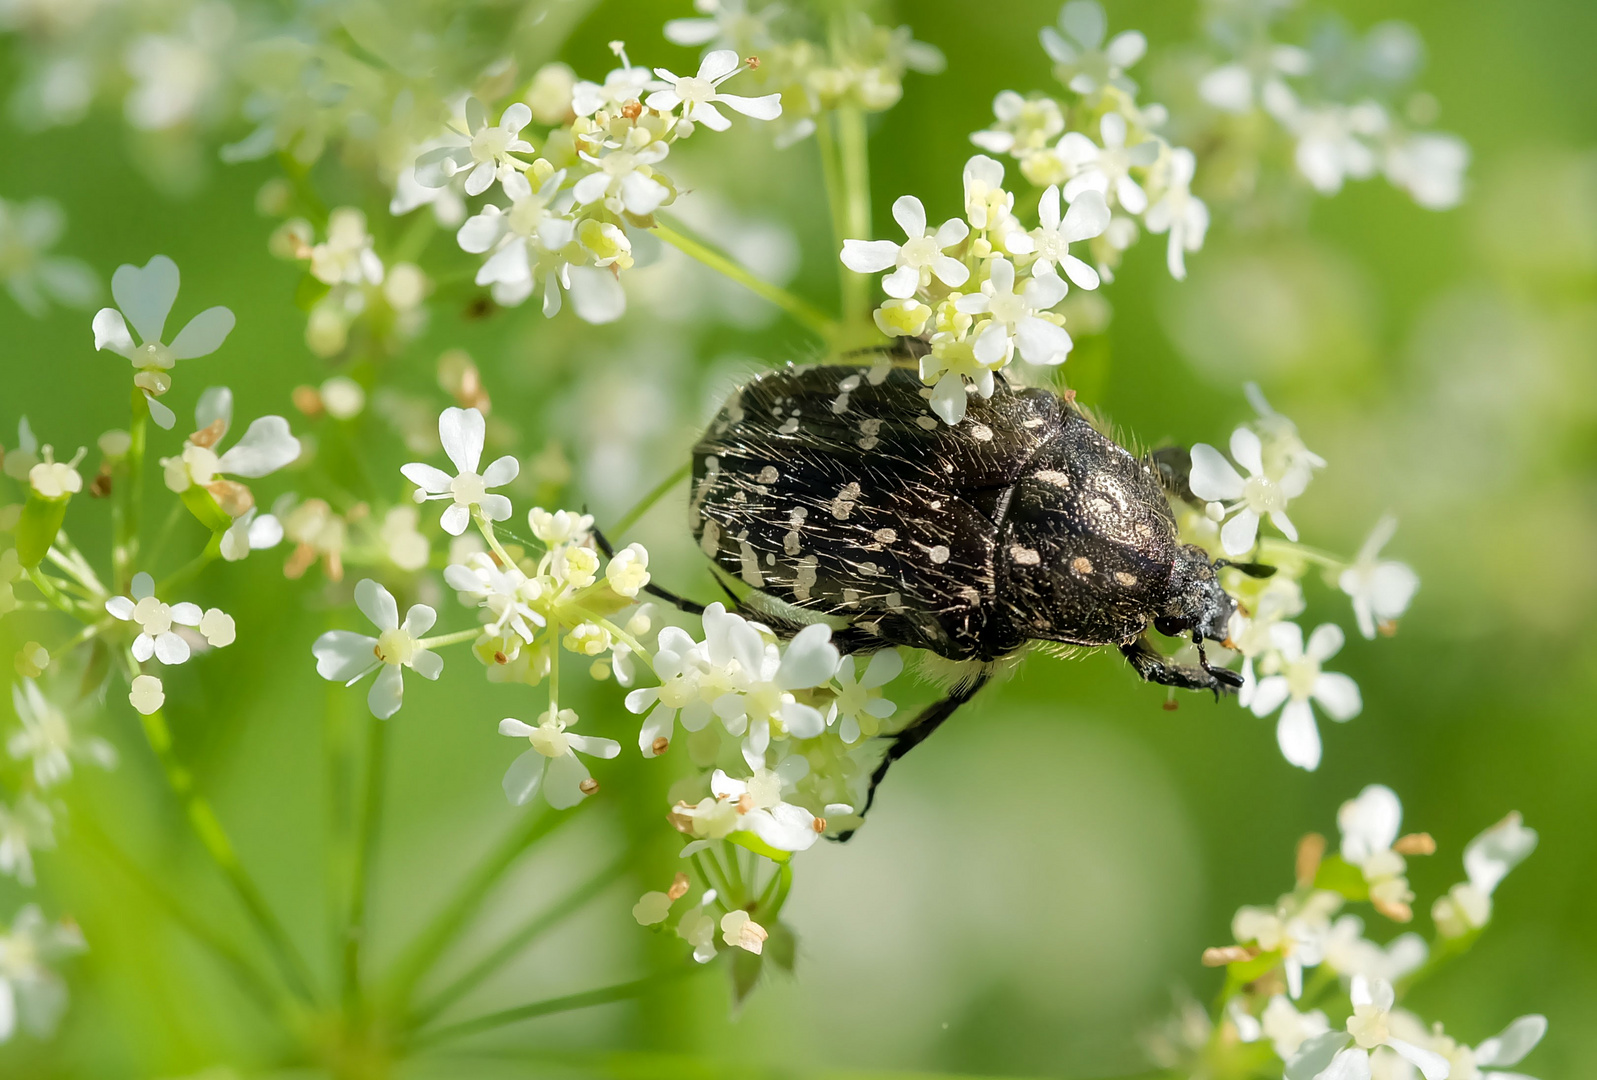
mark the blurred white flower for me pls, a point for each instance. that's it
(155, 620)
(1021, 124)
(34, 278)
(52, 479)
(1287, 1029)
(552, 765)
(1349, 952)
(1179, 212)
(146, 694)
(484, 154)
(1487, 860)
(1237, 87)
(266, 446)
(30, 993)
(347, 256)
(1301, 682)
(145, 296)
(917, 259)
(517, 239)
(25, 827)
(1014, 318)
(559, 527)
(621, 85)
(1086, 218)
(1430, 167)
(760, 809)
(461, 432)
(1085, 63)
(624, 177)
(1334, 142)
(176, 76)
(1381, 591)
(447, 202)
(1216, 481)
(699, 94)
(725, 24)
(347, 657)
(1329, 1057)
(859, 707)
(740, 931)
(1296, 928)
(1370, 842)
(250, 531)
(1107, 169)
(1506, 1048)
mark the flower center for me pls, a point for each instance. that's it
(1367, 1025)
(202, 464)
(467, 488)
(1301, 676)
(1263, 496)
(1007, 307)
(396, 646)
(693, 90)
(619, 162)
(489, 144)
(549, 739)
(918, 251)
(526, 215)
(154, 616)
(155, 355)
(764, 701)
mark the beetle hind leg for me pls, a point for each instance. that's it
(1157, 668)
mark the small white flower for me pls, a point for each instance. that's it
(1013, 318)
(1369, 826)
(761, 810)
(1179, 212)
(697, 928)
(1085, 63)
(1296, 927)
(1021, 125)
(990, 209)
(552, 765)
(266, 446)
(1215, 480)
(726, 24)
(347, 657)
(1506, 1048)
(559, 527)
(29, 991)
(742, 932)
(628, 571)
(515, 239)
(765, 678)
(146, 694)
(52, 479)
(156, 620)
(1430, 167)
(1487, 860)
(621, 85)
(506, 596)
(1381, 591)
(1087, 217)
(1348, 952)
(948, 366)
(250, 531)
(34, 278)
(1301, 682)
(461, 432)
(448, 206)
(1107, 169)
(1334, 141)
(699, 94)
(404, 543)
(1329, 1057)
(145, 296)
(624, 176)
(859, 706)
(25, 827)
(1236, 87)
(484, 154)
(347, 256)
(1287, 1029)
(1282, 449)
(677, 662)
(917, 259)
(652, 908)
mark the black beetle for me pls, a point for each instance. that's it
(835, 493)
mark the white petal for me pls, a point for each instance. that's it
(786, 827)
(419, 619)
(766, 107)
(1288, 639)
(480, 231)
(430, 479)
(1212, 478)
(1370, 823)
(204, 334)
(902, 283)
(1338, 695)
(1325, 642)
(501, 471)
(426, 663)
(642, 195)
(524, 777)
(594, 746)
(516, 117)
(910, 215)
(708, 115)
(387, 692)
(121, 607)
(562, 781)
(1269, 694)
(1432, 1066)
(1082, 274)
(377, 604)
(267, 446)
(1515, 1041)
(719, 64)
(186, 614)
(495, 507)
(143, 647)
(1298, 737)
(1351, 1064)
(1041, 342)
(803, 721)
(884, 667)
(164, 418)
(216, 403)
(461, 432)
(111, 332)
(1248, 451)
(1045, 290)
(992, 344)
(454, 519)
(869, 256)
(950, 233)
(171, 649)
(481, 178)
(596, 295)
(1126, 48)
(948, 399)
(1087, 217)
(342, 655)
(1315, 1055)
(515, 728)
(1391, 588)
(811, 659)
(145, 295)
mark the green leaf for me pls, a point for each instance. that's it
(781, 946)
(746, 839)
(746, 968)
(41, 519)
(1338, 875)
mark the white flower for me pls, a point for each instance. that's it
(1329, 1057)
(1369, 826)
(1296, 928)
(516, 238)
(1087, 217)
(699, 94)
(1508, 1047)
(1487, 860)
(621, 85)
(347, 657)
(52, 479)
(26, 827)
(1283, 451)
(449, 208)
(1287, 1029)
(628, 571)
(1107, 168)
(1333, 140)
(146, 694)
(1215, 480)
(951, 362)
(552, 765)
(697, 928)
(1013, 317)
(346, 257)
(1179, 212)
(156, 620)
(1235, 87)
(1348, 952)
(267, 445)
(485, 153)
(624, 179)
(764, 679)
(1021, 124)
(29, 991)
(178, 75)
(677, 661)
(990, 209)
(760, 809)
(461, 432)
(145, 296)
(250, 531)
(1381, 591)
(505, 595)
(1075, 47)
(727, 24)
(859, 706)
(559, 527)
(406, 546)
(1303, 681)
(917, 259)
(32, 277)
(742, 932)
(1430, 167)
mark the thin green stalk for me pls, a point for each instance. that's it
(423, 951)
(658, 492)
(805, 313)
(587, 999)
(513, 945)
(213, 837)
(191, 569)
(47, 585)
(365, 850)
(455, 638)
(848, 282)
(125, 511)
(854, 159)
(340, 757)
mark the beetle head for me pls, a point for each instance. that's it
(1197, 602)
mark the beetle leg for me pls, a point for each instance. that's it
(915, 734)
(1156, 668)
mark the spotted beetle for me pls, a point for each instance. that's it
(835, 493)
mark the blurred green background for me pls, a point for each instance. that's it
(1037, 879)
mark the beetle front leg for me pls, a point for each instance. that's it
(1157, 668)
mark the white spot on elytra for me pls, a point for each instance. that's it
(895, 601)
(850, 596)
(789, 426)
(1025, 556)
(878, 372)
(1081, 564)
(843, 505)
(868, 430)
(885, 536)
(939, 554)
(750, 563)
(1125, 579)
(792, 543)
(1050, 476)
(926, 422)
(981, 432)
(869, 569)
(804, 580)
(710, 539)
(768, 475)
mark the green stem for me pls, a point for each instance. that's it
(848, 282)
(46, 585)
(658, 492)
(450, 639)
(603, 996)
(486, 527)
(213, 837)
(513, 945)
(125, 512)
(365, 851)
(66, 556)
(189, 570)
(803, 312)
(854, 151)
(419, 956)
(710, 870)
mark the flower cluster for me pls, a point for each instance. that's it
(1345, 1022)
